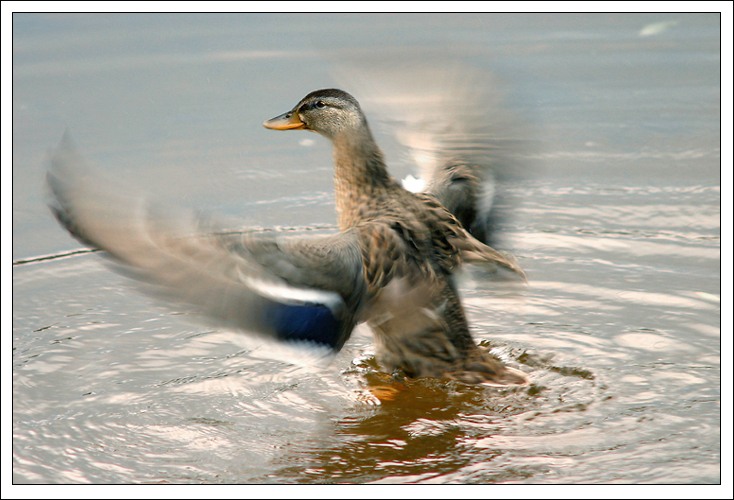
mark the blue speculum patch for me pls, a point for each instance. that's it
(298, 322)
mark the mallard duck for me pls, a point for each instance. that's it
(466, 140)
(391, 265)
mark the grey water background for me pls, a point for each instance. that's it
(618, 228)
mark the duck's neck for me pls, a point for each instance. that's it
(360, 175)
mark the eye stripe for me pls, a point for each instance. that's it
(319, 104)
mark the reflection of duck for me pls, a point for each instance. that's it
(391, 265)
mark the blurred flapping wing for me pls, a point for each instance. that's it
(299, 290)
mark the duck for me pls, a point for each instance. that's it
(392, 264)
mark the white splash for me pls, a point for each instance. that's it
(656, 28)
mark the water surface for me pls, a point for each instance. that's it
(617, 223)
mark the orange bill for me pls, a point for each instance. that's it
(286, 121)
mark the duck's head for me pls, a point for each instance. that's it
(329, 112)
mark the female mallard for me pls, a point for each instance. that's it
(391, 265)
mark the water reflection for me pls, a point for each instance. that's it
(421, 427)
(453, 430)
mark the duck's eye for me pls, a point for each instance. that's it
(319, 104)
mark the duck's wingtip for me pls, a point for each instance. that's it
(65, 146)
(66, 136)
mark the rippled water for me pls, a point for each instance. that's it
(618, 228)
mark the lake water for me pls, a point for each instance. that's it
(616, 218)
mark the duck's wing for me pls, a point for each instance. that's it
(456, 123)
(483, 260)
(301, 290)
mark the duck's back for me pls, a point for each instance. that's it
(407, 235)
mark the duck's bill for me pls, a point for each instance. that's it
(286, 121)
